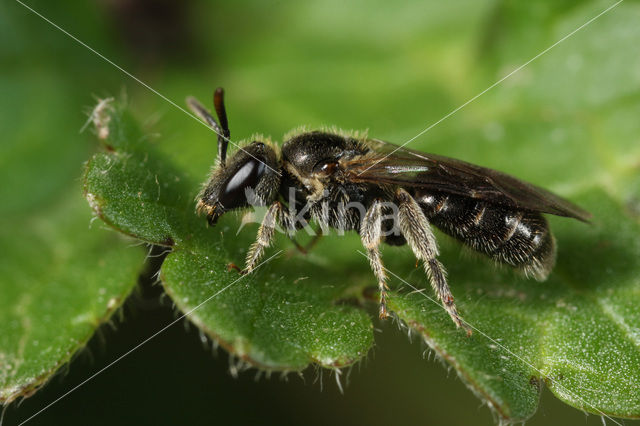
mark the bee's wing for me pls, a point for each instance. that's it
(389, 164)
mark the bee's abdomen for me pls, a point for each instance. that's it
(516, 237)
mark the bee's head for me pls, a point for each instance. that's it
(249, 178)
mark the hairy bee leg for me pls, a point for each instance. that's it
(417, 231)
(265, 235)
(371, 234)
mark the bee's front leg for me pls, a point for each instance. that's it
(371, 233)
(273, 218)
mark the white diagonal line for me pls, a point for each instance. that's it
(494, 341)
(146, 340)
(139, 81)
(495, 84)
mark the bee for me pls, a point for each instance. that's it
(387, 194)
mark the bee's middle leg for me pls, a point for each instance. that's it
(371, 235)
(305, 249)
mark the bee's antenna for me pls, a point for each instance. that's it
(221, 130)
(223, 140)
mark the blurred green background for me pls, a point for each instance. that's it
(392, 68)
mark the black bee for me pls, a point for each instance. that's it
(385, 193)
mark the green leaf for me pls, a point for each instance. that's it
(576, 332)
(268, 319)
(568, 332)
(568, 121)
(264, 319)
(60, 277)
(60, 282)
(139, 192)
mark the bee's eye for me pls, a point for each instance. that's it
(247, 176)
(325, 168)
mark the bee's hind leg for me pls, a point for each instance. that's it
(371, 235)
(417, 231)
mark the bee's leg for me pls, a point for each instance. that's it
(307, 247)
(298, 246)
(265, 235)
(311, 244)
(370, 233)
(417, 231)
